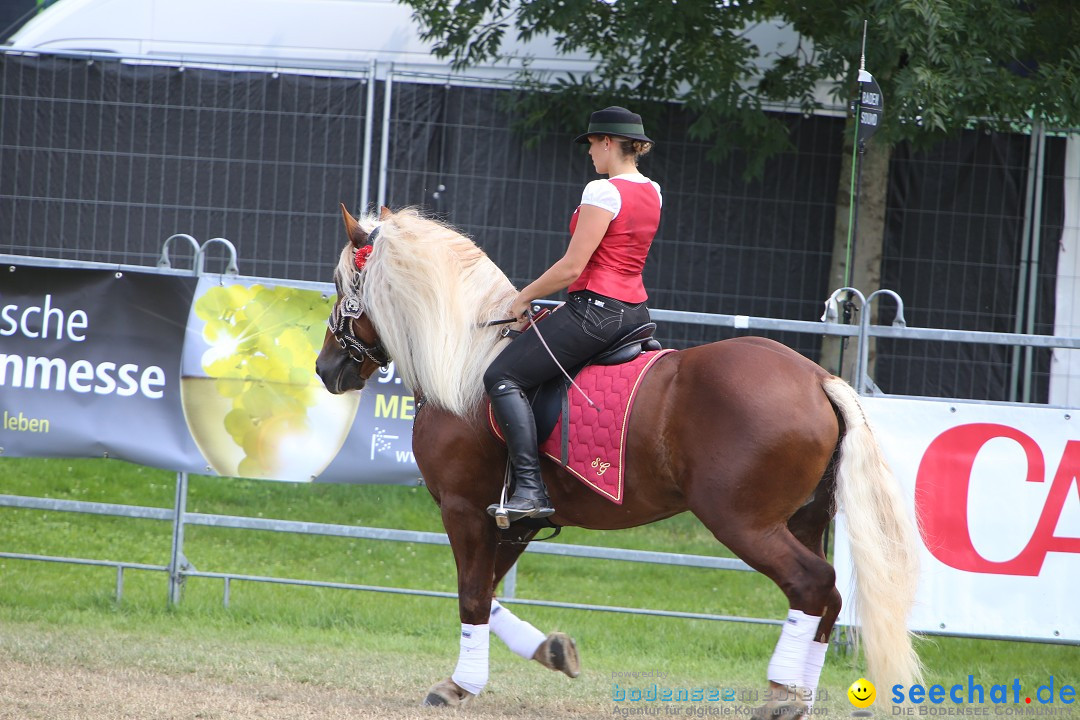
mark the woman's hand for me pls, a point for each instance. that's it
(520, 307)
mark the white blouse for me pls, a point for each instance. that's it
(603, 194)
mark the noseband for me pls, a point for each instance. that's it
(340, 324)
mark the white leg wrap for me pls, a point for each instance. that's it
(815, 660)
(789, 659)
(519, 635)
(472, 665)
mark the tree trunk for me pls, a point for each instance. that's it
(865, 274)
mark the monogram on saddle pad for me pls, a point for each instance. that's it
(592, 445)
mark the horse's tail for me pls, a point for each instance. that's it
(883, 544)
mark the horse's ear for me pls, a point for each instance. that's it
(384, 213)
(356, 234)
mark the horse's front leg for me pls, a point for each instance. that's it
(474, 542)
(556, 650)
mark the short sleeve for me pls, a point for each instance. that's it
(603, 194)
(658, 193)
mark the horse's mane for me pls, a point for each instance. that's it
(429, 290)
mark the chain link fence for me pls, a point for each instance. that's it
(105, 157)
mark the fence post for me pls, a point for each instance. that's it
(1033, 265)
(1032, 206)
(369, 120)
(177, 562)
(384, 140)
(510, 582)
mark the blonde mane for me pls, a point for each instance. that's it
(429, 290)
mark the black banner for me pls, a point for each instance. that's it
(89, 365)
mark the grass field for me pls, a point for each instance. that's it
(68, 650)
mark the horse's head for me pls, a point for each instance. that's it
(351, 350)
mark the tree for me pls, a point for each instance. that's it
(943, 66)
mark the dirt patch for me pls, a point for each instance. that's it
(119, 667)
(40, 692)
(33, 692)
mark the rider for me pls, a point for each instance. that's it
(611, 232)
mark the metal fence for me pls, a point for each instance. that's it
(103, 156)
(179, 568)
(725, 244)
(972, 243)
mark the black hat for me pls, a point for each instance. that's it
(615, 121)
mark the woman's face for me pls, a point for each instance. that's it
(600, 149)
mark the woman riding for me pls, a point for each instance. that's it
(611, 232)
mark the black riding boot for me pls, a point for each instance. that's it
(515, 417)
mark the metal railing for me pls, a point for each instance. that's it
(179, 568)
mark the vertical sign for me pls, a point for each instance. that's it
(870, 107)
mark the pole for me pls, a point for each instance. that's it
(858, 150)
(1033, 267)
(868, 108)
(369, 120)
(1025, 250)
(384, 140)
(177, 561)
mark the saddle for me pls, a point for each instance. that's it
(588, 440)
(549, 400)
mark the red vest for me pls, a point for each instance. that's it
(615, 267)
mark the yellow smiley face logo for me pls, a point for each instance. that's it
(862, 693)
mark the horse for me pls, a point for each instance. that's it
(758, 442)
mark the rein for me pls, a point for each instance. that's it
(491, 323)
(555, 360)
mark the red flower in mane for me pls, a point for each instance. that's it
(360, 259)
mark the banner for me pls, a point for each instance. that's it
(89, 365)
(209, 375)
(997, 495)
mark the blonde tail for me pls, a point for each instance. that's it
(883, 545)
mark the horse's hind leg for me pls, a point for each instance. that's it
(806, 579)
(808, 526)
(556, 650)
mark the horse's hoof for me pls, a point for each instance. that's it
(780, 710)
(558, 652)
(447, 693)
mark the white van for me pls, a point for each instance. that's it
(341, 34)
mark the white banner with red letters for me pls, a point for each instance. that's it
(997, 495)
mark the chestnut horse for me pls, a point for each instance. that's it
(758, 442)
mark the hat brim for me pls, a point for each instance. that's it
(584, 138)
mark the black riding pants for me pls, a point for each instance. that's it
(580, 328)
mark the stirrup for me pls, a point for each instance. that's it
(504, 515)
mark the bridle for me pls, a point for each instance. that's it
(341, 327)
(350, 309)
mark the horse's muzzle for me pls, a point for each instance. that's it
(339, 373)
